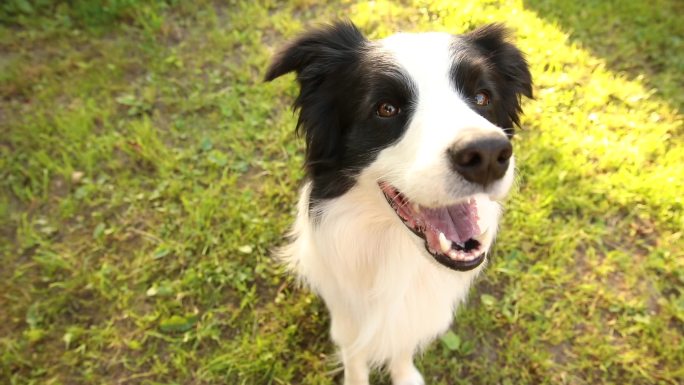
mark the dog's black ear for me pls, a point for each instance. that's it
(509, 62)
(325, 61)
(317, 52)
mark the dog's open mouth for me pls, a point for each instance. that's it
(451, 233)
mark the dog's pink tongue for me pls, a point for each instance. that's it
(457, 222)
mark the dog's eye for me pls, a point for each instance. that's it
(387, 110)
(482, 98)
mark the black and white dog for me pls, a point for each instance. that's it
(408, 154)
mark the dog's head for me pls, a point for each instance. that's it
(425, 118)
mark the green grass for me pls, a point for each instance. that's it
(147, 173)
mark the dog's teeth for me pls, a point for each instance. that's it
(453, 254)
(444, 243)
(482, 237)
(415, 207)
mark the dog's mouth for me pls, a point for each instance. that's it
(451, 233)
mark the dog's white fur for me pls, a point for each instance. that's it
(387, 296)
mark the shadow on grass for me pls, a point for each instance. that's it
(629, 35)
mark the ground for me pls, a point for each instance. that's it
(147, 173)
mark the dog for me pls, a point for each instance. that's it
(408, 156)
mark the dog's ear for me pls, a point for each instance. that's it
(325, 61)
(509, 62)
(317, 52)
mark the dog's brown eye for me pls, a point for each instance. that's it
(387, 110)
(482, 98)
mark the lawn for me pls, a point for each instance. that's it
(147, 173)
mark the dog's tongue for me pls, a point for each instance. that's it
(457, 222)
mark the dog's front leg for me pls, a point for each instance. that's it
(355, 368)
(403, 371)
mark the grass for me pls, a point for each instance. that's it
(147, 173)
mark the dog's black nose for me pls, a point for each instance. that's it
(481, 158)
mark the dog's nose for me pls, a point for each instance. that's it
(481, 158)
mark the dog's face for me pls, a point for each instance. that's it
(424, 118)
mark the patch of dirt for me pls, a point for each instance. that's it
(250, 179)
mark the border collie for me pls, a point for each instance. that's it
(408, 154)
